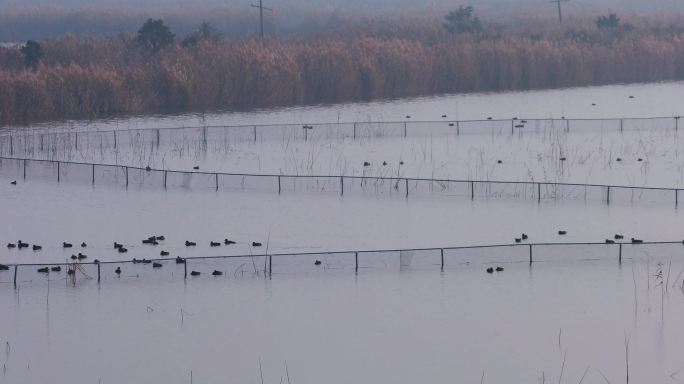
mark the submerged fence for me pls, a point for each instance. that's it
(134, 177)
(29, 143)
(356, 260)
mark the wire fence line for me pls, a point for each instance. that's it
(28, 143)
(137, 177)
(418, 258)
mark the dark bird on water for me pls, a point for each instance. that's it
(609, 241)
(43, 270)
(518, 240)
(81, 256)
(156, 265)
(317, 262)
(499, 162)
(255, 244)
(66, 245)
(196, 167)
(499, 269)
(21, 244)
(117, 245)
(194, 273)
(384, 163)
(4, 267)
(561, 233)
(71, 272)
(118, 270)
(163, 253)
(83, 245)
(490, 270)
(73, 257)
(122, 250)
(636, 241)
(56, 269)
(217, 273)
(160, 238)
(190, 243)
(148, 168)
(180, 260)
(366, 164)
(14, 182)
(37, 247)
(524, 236)
(11, 245)
(228, 242)
(618, 237)
(214, 244)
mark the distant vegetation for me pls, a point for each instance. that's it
(154, 70)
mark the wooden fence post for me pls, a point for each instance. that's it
(15, 275)
(442, 257)
(530, 254)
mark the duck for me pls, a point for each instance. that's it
(489, 118)
(37, 247)
(640, 159)
(499, 269)
(618, 236)
(451, 124)
(609, 241)
(11, 245)
(401, 163)
(56, 269)
(43, 270)
(618, 159)
(490, 270)
(21, 244)
(96, 261)
(520, 125)
(118, 270)
(145, 261)
(148, 168)
(4, 267)
(228, 242)
(563, 159)
(73, 257)
(83, 244)
(195, 273)
(196, 167)
(518, 240)
(524, 236)
(180, 260)
(151, 241)
(317, 262)
(82, 256)
(156, 265)
(163, 253)
(214, 244)
(66, 245)
(256, 244)
(384, 163)
(408, 116)
(444, 116)
(160, 238)
(190, 243)
(217, 273)
(366, 164)
(13, 182)
(117, 245)
(562, 233)
(71, 272)
(499, 162)
(636, 241)
(122, 250)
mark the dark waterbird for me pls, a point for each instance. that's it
(118, 270)
(37, 247)
(194, 273)
(619, 237)
(499, 162)
(520, 125)
(82, 256)
(401, 163)
(490, 270)
(73, 257)
(256, 244)
(148, 168)
(122, 250)
(562, 233)
(163, 253)
(609, 241)
(11, 245)
(228, 242)
(499, 269)
(83, 245)
(636, 241)
(160, 238)
(451, 124)
(214, 244)
(44, 270)
(71, 272)
(4, 267)
(518, 240)
(67, 245)
(151, 241)
(196, 167)
(366, 164)
(317, 262)
(384, 163)
(156, 265)
(56, 269)
(524, 236)
(190, 243)
(21, 244)
(563, 159)
(14, 182)
(117, 245)
(180, 260)
(217, 273)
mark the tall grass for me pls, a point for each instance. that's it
(98, 77)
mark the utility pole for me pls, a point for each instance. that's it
(261, 15)
(560, 9)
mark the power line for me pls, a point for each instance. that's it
(261, 15)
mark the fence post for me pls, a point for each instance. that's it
(530, 254)
(24, 169)
(407, 188)
(216, 179)
(676, 123)
(512, 126)
(185, 268)
(15, 275)
(165, 179)
(98, 273)
(608, 195)
(356, 261)
(538, 192)
(342, 185)
(279, 189)
(93, 174)
(126, 171)
(41, 142)
(76, 140)
(114, 139)
(567, 125)
(58, 171)
(472, 190)
(676, 197)
(270, 265)
(620, 254)
(11, 146)
(458, 128)
(158, 137)
(354, 131)
(442, 256)
(404, 129)
(621, 125)
(255, 133)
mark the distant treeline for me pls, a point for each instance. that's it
(71, 77)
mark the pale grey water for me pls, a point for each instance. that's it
(386, 324)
